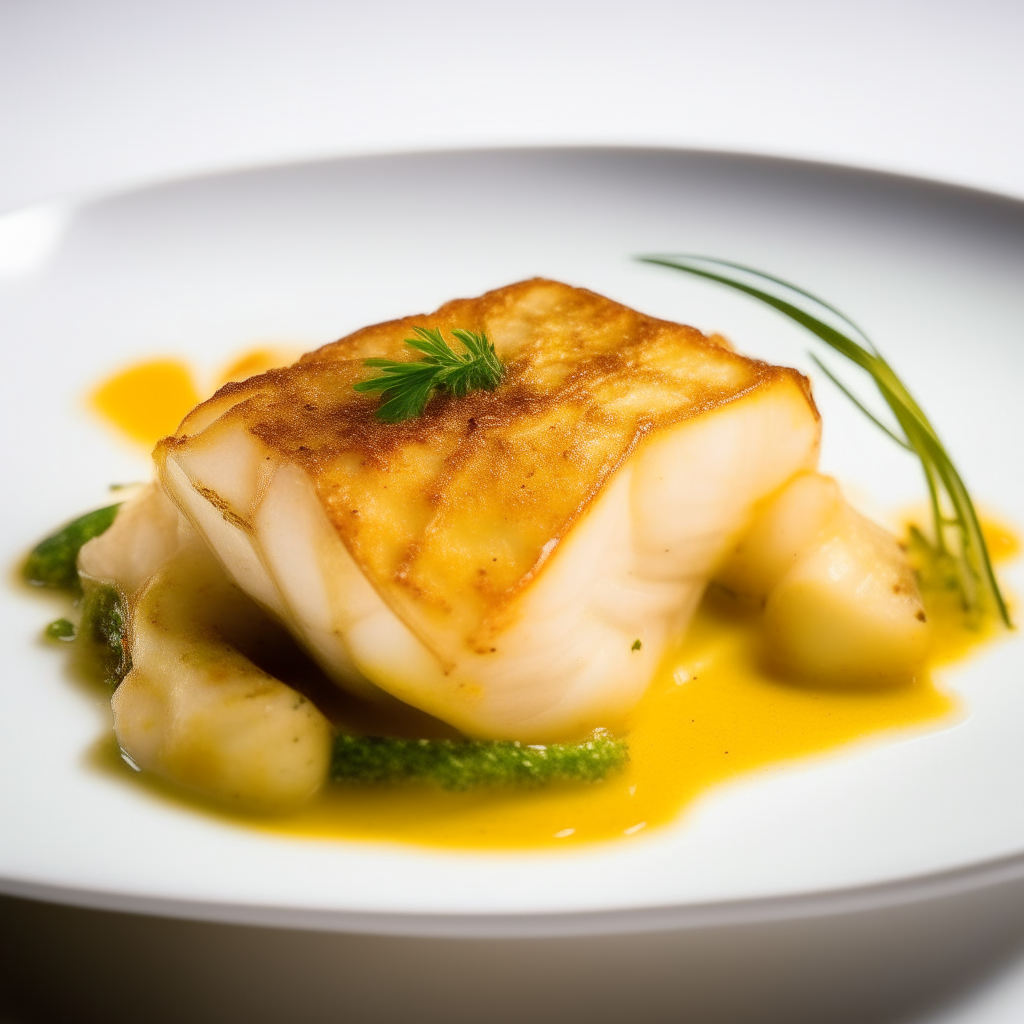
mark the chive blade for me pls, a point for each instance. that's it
(977, 579)
(859, 404)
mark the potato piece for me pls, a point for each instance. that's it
(849, 610)
(198, 712)
(788, 523)
(146, 533)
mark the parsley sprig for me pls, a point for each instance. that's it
(406, 387)
(957, 539)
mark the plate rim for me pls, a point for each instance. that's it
(905, 891)
(87, 197)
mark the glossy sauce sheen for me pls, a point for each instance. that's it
(712, 714)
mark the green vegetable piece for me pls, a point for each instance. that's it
(463, 764)
(103, 629)
(53, 562)
(957, 550)
(636, 645)
(61, 629)
(406, 387)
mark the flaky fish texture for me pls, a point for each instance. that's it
(513, 562)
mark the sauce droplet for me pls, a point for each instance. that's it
(147, 401)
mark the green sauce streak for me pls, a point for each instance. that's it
(61, 629)
(53, 562)
(101, 633)
(102, 630)
(463, 764)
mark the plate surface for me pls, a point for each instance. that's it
(302, 255)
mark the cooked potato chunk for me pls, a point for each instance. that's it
(145, 534)
(842, 603)
(790, 522)
(849, 610)
(196, 711)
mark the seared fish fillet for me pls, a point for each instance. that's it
(495, 561)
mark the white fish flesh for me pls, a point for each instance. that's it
(513, 562)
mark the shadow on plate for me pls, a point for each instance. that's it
(895, 964)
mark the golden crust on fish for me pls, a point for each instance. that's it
(452, 514)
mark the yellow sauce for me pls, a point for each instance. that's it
(257, 360)
(147, 401)
(712, 714)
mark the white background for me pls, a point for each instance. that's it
(96, 94)
(101, 94)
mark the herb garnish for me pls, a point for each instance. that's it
(406, 387)
(957, 540)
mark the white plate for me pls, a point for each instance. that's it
(305, 254)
